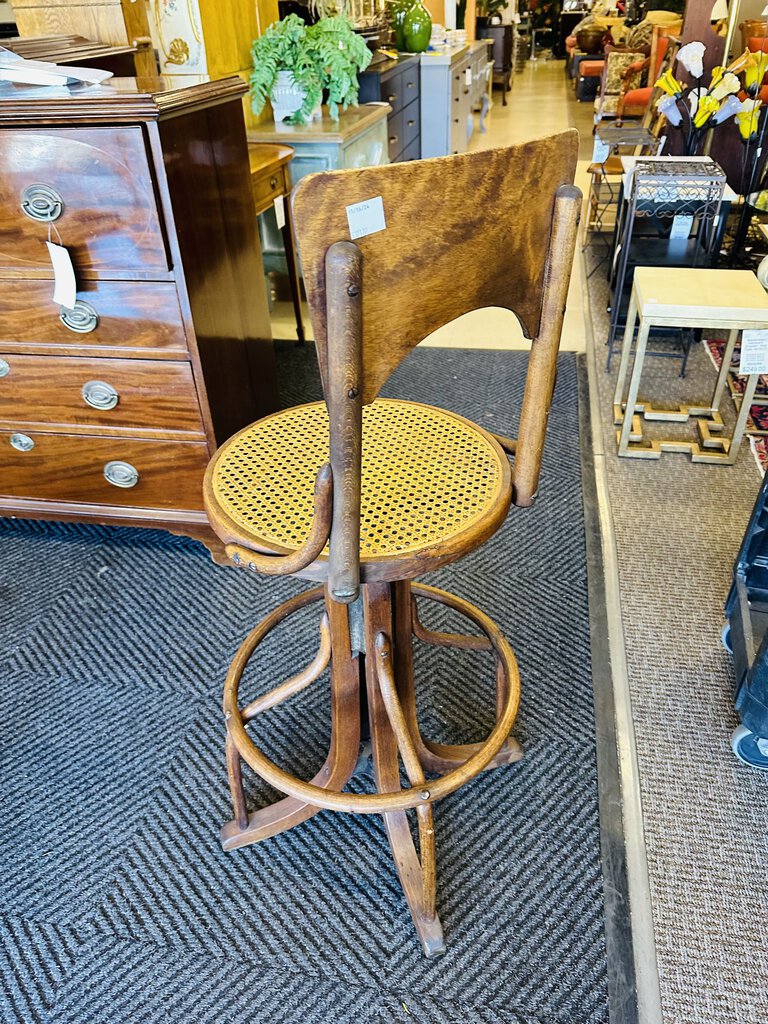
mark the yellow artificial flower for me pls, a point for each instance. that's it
(726, 85)
(754, 74)
(717, 73)
(669, 84)
(743, 61)
(708, 105)
(748, 119)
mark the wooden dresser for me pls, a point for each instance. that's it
(110, 410)
(397, 82)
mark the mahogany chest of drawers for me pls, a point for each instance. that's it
(110, 409)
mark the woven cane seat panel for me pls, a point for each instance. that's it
(426, 476)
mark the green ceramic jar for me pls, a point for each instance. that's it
(399, 11)
(417, 28)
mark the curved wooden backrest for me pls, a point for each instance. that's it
(462, 233)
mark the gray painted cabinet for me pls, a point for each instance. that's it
(453, 83)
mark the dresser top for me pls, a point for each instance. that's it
(351, 123)
(117, 100)
(451, 54)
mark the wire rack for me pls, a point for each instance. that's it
(677, 188)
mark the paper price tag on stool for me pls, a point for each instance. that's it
(366, 218)
(754, 352)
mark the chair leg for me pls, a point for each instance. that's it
(246, 828)
(417, 874)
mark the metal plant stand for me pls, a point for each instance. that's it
(672, 218)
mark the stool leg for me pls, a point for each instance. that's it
(438, 757)
(417, 875)
(245, 829)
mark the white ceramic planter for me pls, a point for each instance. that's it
(287, 97)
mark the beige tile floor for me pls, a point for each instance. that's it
(540, 103)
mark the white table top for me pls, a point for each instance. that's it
(684, 293)
(629, 162)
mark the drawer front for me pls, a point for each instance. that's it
(410, 88)
(111, 315)
(91, 188)
(411, 123)
(266, 187)
(62, 467)
(410, 84)
(392, 91)
(368, 150)
(413, 152)
(396, 136)
(99, 395)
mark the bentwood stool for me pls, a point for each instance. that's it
(733, 300)
(362, 494)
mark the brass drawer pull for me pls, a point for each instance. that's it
(391, 99)
(42, 203)
(100, 395)
(5, 368)
(121, 474)
(273, 183)
(82, 318)
(22, 442)
(393, 138)
(411, 124)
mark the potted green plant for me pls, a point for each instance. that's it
(293, 63)
(487, 10)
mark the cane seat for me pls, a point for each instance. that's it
(432, 482)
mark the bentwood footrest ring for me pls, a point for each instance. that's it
(390, 620)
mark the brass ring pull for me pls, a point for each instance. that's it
(273, 183)
(121, 474)
(22, 442)
(100, 395)
(42, 203)
(82, 318)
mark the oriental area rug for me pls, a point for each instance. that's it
(117, 904)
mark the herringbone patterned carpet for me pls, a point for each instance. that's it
(117, 902)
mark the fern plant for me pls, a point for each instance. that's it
(327, 55)
(341, 53)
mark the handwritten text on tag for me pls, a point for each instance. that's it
(366, 218)
(754, 352)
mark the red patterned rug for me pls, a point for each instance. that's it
(757, 421)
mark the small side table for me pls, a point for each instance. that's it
(270, 178)
(686, 297)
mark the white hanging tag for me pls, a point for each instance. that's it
(662, 144)
(468, 76)
(600, 151)
(280, 211)
(64, 284)
(681, 226)
(754, 352)
(366, 218)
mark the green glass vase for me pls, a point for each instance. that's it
(417, 28)
(399, 11)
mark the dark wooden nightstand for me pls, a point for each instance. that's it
(270, 179)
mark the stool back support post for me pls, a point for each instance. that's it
(343, 396)
(542, 365)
